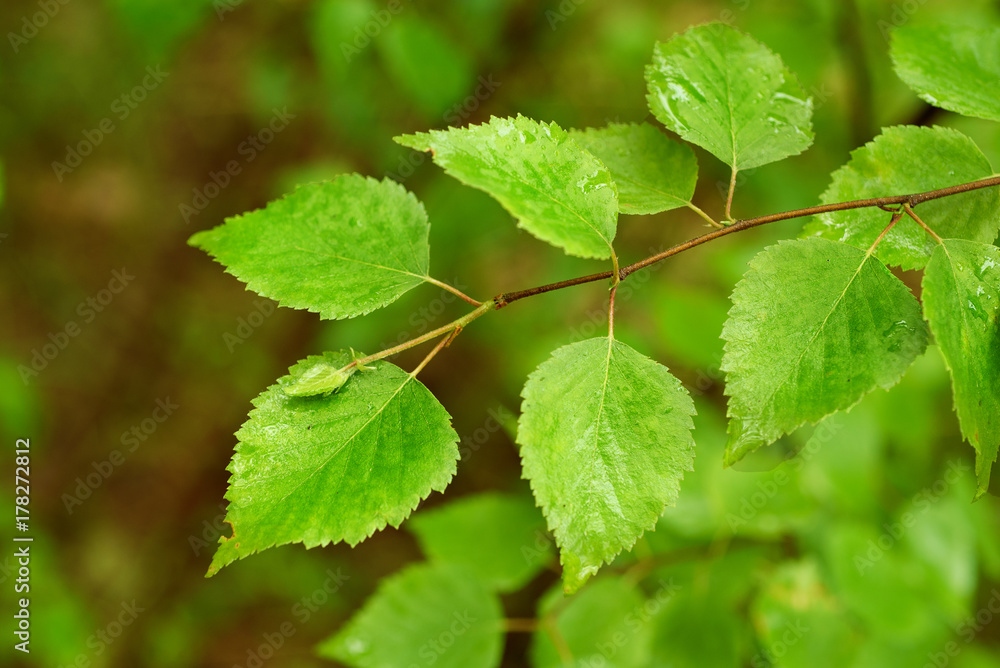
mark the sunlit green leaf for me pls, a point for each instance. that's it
(428, 614)
(557, 190)
(728, 93)
(903, 160)
(325, 469)
(500, 537)
(653, 173)
(961, 293)
(340, 248)
(815, 325)
(605, 440)
(951, 66)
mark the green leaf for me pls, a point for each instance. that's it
(815, 326)
(321, 378)
(697, 627)
(653, 173)
(425, 63)
(340, 248)
(952, 67)
(903, 160)
(605, 440)
(961, 292)
(729, 94)
(558, 191)
(439, 613)
(500, 537)
(319, 470)
(799, 623)
(603, 625)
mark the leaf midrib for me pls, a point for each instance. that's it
(819, 329)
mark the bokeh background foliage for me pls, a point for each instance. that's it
(861, 550)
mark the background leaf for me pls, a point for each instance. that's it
(903, 160)
(500, 537)
(340, 248)
(653, 173)
(952, 67)
(319, 470)
(605, 440)
(558, 191)
(800, 624)
(815, 325)
(425, 63)
(729, 94)
(961, 292)
(603, 625)
(439, 614)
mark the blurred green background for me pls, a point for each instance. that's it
(127, 125)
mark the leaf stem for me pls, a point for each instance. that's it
(912, 214)
(711, 221)
(729, 197)
(508, 297)
(558, 641)
(892, 223)
(434, 351)
(460, 323)
(452, 289)
(611, 312)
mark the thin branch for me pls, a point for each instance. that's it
(458, 324)
(521, 625)
(909, 212)
(898, 204)
(452, 289)
(508, 297)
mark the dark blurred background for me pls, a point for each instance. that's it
(130, 358)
